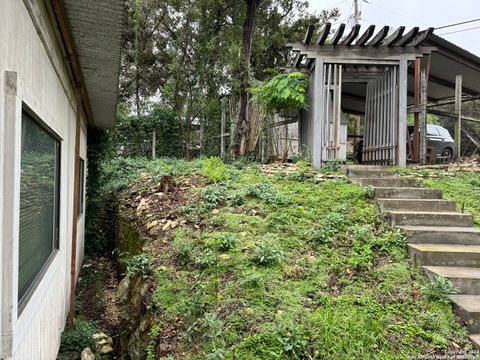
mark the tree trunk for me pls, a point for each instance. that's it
(154, 144)
(243, 126)
(186, 142)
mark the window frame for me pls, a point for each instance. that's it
(25, 298)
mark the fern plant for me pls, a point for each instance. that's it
(282, 92)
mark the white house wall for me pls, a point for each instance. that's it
(29, 48)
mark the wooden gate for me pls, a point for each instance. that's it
(332, 112)
(381, 119)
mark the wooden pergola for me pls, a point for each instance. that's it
(382, 75)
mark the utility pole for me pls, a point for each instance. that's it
(358, 12)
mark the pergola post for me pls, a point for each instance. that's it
(416, 117)
(423, 118)
(402, 114)
(458, 111)
(318, 113)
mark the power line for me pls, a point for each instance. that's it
(454, 32)
(456, 24)
(395, 13)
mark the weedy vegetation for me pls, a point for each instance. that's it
(270, 267)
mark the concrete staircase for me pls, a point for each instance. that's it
(441, 240)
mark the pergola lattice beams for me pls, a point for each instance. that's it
(408, 43)
(366, 36)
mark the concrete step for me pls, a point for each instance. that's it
(385, 181)
(430, 218)
(417, 205)
(442, 235)
(475, 339)
(465, 279)
(407, 193)
(365, 171)
(467, 308)
(445, 255)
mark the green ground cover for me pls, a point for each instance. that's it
(281, 266)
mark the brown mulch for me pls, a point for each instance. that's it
(289, 168)
(471, 164)
(96, 295)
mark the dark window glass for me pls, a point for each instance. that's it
(39, 203)
(81, 186)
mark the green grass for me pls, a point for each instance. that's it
(282, 268)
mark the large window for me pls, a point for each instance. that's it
(39, 203)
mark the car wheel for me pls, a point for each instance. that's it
(447, 153)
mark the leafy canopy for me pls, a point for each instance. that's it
(282, 92)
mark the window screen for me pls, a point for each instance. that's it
(81, 185)
(39, 203)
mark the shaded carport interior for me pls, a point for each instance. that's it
(448, 61)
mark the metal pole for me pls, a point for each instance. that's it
(458, 111)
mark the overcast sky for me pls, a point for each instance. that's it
(422, 13)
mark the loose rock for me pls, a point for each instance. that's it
(87, 354)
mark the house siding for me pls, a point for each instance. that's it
(29, 48)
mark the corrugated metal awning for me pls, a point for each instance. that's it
(96, 29)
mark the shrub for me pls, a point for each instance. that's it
(183, 247)
(79, 337)
(137, 265)
(369, 192)
(195, 305)
(227, 241)
(266, 192)
(267, 253)
(235, 199)
(214, 169)
(439, 289)
(252, 279)
(214, 194)
(323, 236)
(362, 257)
(330, 167)
(206, 259)
(294, 340)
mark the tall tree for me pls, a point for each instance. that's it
(242, 126)
(187, 54)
